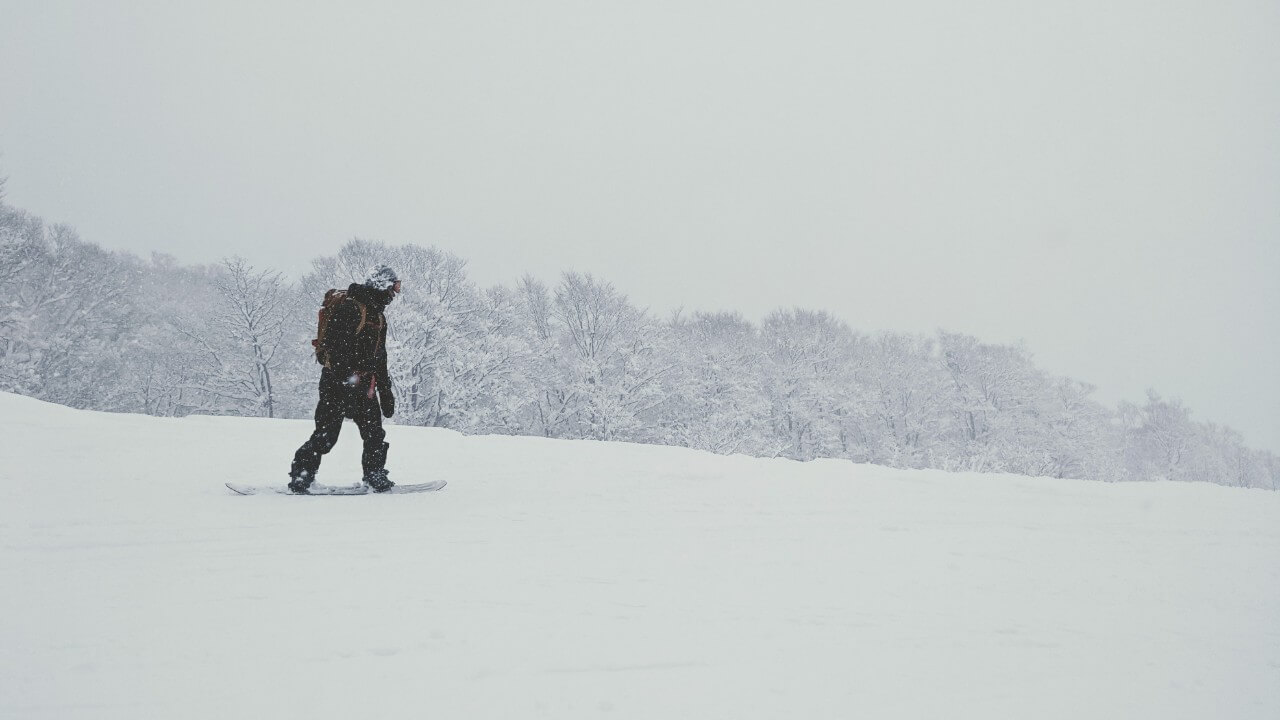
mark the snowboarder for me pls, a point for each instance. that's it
(352, 347)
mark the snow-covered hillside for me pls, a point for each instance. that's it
(574, 579)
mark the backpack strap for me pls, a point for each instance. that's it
(364, 312)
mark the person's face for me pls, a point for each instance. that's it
(396, 288)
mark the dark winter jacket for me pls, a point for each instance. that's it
(356, 349)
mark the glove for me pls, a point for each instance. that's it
(387, 401)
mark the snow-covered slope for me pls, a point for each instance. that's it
(572, 579)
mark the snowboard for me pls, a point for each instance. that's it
(241, 489)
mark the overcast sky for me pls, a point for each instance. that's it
(1098, 178)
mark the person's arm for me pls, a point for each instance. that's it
(386, 397)
(384, 376)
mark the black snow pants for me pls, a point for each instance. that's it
(339, 400)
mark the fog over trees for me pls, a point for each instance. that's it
(102, 330)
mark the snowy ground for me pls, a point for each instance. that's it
(569, 579)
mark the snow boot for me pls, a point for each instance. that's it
(378, 481)
(300, 484)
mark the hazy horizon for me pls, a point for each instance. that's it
(1095, 179)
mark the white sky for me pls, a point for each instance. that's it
(1099, 179)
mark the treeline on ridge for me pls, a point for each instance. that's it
(89, 328)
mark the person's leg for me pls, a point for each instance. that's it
(368, 417)
(329, 412)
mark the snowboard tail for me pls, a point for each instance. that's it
(242, 489)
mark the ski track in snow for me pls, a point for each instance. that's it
(575, 579)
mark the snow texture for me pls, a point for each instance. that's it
(585, 579)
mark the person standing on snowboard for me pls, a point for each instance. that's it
(354, 383)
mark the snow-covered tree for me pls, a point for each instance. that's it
(242, 340)
(899, 417)
(475, 381)
(610, 351)
(1160, 439)
(808, 372)
(64, 308)
(167, 369)
(716, 398)
(995, 397)
(1082, 438)
(556, 403)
